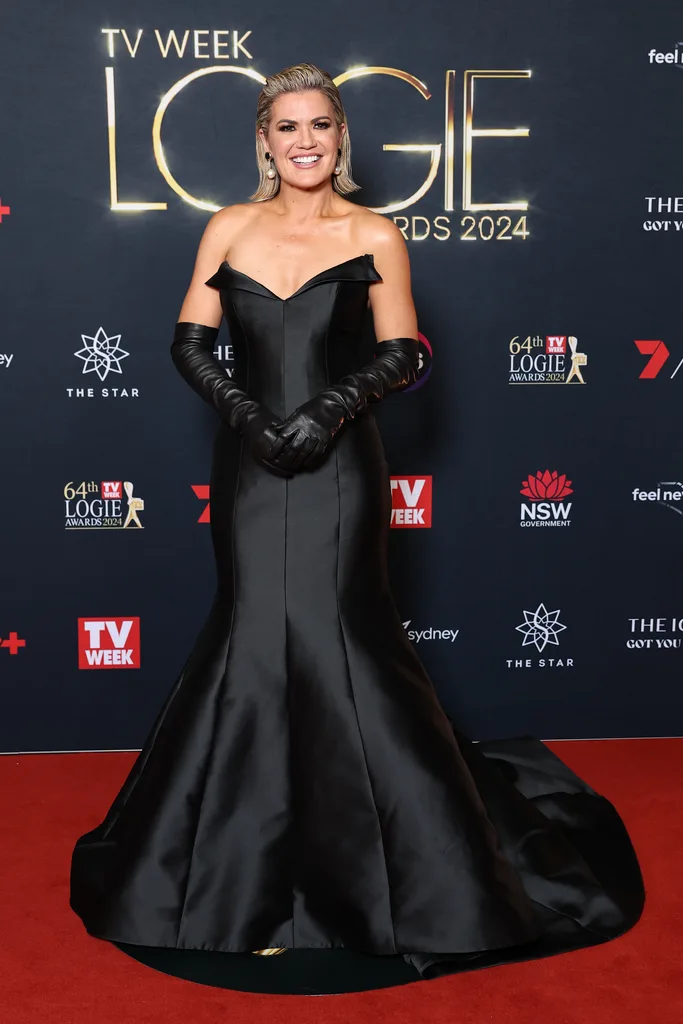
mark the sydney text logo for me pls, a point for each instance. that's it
(429, 633)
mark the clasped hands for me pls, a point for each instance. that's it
(301, 440)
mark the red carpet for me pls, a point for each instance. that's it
(52, 972)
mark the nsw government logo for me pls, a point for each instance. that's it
(101, 356)
(100, 506)
(109, 643)
(544, 491)
(553, 359)
(541, 629)
(411, 500)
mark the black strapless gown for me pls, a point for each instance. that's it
(302, 786)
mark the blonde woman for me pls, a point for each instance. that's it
(303, 793)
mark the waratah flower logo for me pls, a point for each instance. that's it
(546, 486)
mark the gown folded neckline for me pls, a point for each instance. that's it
(307, 284)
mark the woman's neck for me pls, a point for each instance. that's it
(302, 205)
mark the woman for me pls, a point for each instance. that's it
(302, 791)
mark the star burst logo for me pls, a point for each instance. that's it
(102, 354)
(541, 628)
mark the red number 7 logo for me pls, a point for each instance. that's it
(658, 353)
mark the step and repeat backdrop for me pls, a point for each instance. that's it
(532, 156)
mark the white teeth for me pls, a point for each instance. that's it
(305, 159)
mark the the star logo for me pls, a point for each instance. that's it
(541, 628)
(101, 354)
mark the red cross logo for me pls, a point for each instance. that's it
(13, 643)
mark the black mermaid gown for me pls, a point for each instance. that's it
(302, 786)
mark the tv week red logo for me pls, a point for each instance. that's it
(112, 490)
(411, 500)
(109, 643)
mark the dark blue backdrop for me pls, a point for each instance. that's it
(584, 242)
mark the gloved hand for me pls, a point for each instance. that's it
(192, 354)
(305, 436)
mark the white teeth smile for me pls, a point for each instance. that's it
(305, 159)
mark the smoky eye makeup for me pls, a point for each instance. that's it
(316, 124)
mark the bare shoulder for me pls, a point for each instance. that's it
(220, 231)
(228, 222)
(380, 236)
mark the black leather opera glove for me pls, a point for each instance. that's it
(192, 354)
(304, 437)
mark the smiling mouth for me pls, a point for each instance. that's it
(306, 161)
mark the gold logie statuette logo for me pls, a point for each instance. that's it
(485, 227)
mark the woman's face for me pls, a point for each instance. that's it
(303, 138)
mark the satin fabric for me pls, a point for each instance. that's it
(302, 785)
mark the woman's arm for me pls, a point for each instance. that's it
(391, 300)
(202, 304)
(193, 343)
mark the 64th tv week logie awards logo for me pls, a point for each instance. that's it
(553, 359)
(99, 506)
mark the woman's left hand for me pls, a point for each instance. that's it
(304, 437)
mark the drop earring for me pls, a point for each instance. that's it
(271, 172)
(338, 169)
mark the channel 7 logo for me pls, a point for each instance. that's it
(659, 354)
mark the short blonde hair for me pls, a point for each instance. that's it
(299, 78)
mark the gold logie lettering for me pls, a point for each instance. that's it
(432, 150)
(449, 144)
(159, 117)
(111, 131)
(469, 133)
